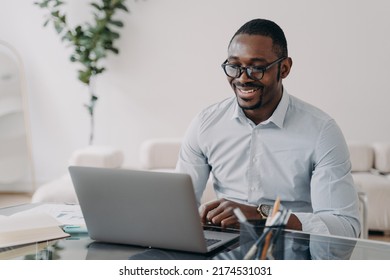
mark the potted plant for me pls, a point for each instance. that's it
(91, 42)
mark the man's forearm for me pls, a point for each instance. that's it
(294, 223)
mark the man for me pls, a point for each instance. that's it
(263, 143)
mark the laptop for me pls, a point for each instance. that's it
(144, 208)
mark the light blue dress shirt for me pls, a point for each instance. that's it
(298, 154)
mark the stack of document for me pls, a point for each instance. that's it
(37, 228)
(26, 228)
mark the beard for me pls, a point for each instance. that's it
(253, 107)
(250, 102)
(259, 85)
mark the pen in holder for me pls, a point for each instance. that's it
(263, 239)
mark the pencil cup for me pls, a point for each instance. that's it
(258, 241)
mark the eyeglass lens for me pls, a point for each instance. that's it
(255, 73)
(236, 71)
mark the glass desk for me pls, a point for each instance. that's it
(291, 245)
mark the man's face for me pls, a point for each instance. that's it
(256, 50)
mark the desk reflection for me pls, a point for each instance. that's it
(107, 251)
(290, 246)
(300, 246)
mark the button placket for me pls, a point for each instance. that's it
(254, 167)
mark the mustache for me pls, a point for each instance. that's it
(250, 84)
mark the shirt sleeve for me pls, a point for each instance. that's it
(192, 161)
(333, 193)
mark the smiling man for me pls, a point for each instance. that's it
(263, 143)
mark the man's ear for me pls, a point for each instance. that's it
(285, 67)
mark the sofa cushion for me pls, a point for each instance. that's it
(362, 156)
(382, 156)
(61, 190)
(57, 191)
(160, 153)
(97, 156)
(377, 190)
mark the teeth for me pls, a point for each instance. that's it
(248, 91)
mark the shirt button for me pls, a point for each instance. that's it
(254, 160)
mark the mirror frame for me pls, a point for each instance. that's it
(30, 185)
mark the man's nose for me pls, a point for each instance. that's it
(244, 77)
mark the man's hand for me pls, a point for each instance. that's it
(220, 212)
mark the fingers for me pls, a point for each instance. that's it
(205, 208)
(230, 221)
(219, 212)
(225, 218)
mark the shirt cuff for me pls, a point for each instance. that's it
(312, 223)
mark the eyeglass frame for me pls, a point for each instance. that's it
(246, 68)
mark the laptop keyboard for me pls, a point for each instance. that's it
(210, 241)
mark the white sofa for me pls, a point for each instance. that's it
(162, 154)
(61, 190)
(370, 170)
(155, 155)
(371, 173)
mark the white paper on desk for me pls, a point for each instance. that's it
(65, 214)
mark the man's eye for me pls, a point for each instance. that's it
(257, 69)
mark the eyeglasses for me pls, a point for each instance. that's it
(254, 72)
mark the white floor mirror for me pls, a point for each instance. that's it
(16, 165)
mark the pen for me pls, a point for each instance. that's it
(269, 235)
(75, 229)
(276, 207)
(242, 219)
(266, 233)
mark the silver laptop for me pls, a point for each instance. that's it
(144, 208)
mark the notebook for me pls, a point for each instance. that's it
(144, 208)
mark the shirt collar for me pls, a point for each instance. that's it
(277, 117)
(280, 112)
(237, 112)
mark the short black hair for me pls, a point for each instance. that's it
(266, 28)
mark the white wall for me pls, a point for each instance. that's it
(169, 69)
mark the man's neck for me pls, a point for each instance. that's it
(264, 112)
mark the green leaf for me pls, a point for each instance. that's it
(89, 109)
(84, 76)
(116, 23)
(94, 98)
(99, 70)
(99, 52)
(58, 26)
(55, 13)
(68, 36)
(78, 29)
(58, 3)
(114, 50)
(92, 41)
(96, 6)
(114, 35)
(92, 103)
(73, 58)
(43, 4)
(122, 7)
(46, 22)
(62, 18)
